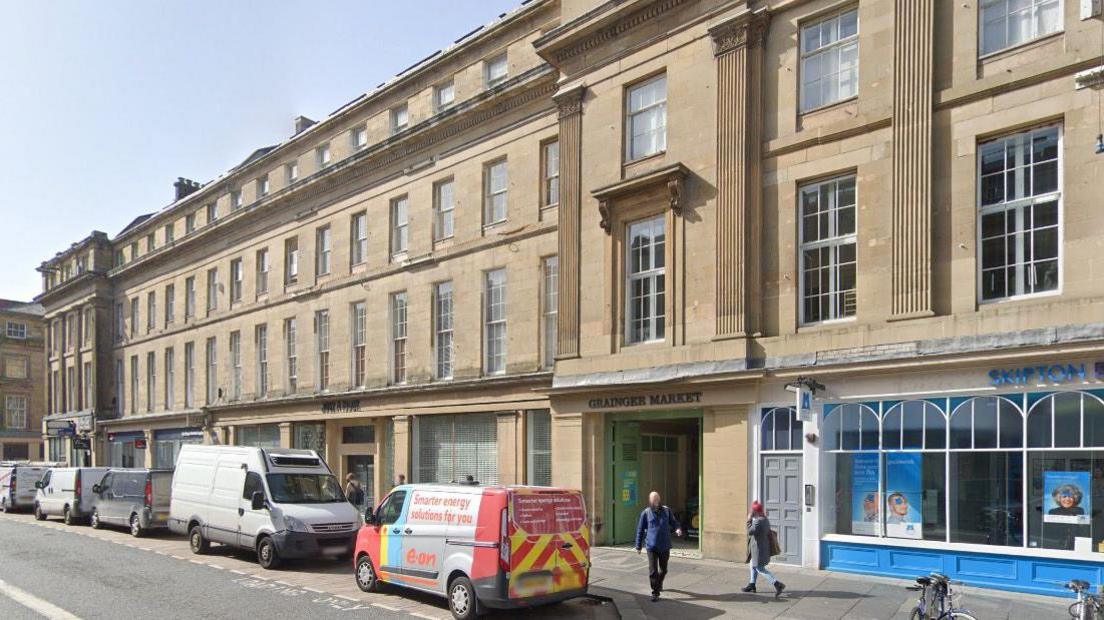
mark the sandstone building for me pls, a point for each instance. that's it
(21, 380)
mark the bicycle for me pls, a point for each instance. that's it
(1088, 606)
(937, 600)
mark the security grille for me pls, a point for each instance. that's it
(452, 447)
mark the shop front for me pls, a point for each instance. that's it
(167, 443)
(126, 449)
(993, 476)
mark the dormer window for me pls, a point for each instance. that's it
(235, 199)
(400, 118)
(322, 156)
(444, 95)
(359, 137)
(495, 70)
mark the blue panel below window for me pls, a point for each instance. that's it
(987, 570)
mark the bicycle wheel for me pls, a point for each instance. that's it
(960, 614)
(916, 614)
(1075, 610)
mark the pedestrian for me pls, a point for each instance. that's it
(400, 480)
(759, 549)
(353, 491)
(653, 532)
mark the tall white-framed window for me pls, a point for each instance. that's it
(550, 174)
(16, 330)
(358, 137)
(1008, 23)
(291, 260)
(235, 366)
(15, 407)
(443, 207)
(135, 319)
(550, 295)
(400, 118)
(190, 223)
(646, 118)
(1020, 214)
(212, 290)
(212, 213)
(235, 199)
(400, 226)
(360, 342)
(89, 387)
(444, 95)
(830, 60)
(496, 185)
(237, 278)
(151, 379)
(260, 345)
(828, 245)
(170, 311)
(398, 337)
(120, 388)
(189, 374)
(151, 313)
(538, 447)
(442, 329)
(169, 236)
(322, 238)
(494, 322)
(358, 235)
(263, 268)
(170, 378)
(211, 379)
(322, 346)
(133, 384)
(495, 70)
(262, 186)
(645, 280)
(189, 297)
(291, 172)
(322, 157)
(291, 356)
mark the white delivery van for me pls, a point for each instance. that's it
(17, 483)
(281, 503)
(67, 492)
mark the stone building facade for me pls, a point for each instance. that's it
(706, 202)
(21, 380)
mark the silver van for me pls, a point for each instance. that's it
(17, 483)
(66, 492)
(134, 498)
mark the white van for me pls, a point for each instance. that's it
(67, 492)
(17, 483)
(281, 503)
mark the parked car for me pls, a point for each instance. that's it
(479, 546)
(135, 498)
(66, 492)
(17, 483)
(281, 503)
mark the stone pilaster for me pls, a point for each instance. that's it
(570, 104)
(911, 291)
(401, 462)
(738, 47)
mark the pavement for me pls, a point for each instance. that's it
(698, 589)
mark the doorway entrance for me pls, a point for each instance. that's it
(660, 452)
(780, 488)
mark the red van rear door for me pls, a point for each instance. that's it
(549, 542)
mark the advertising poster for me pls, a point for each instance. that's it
(1067, 497)
(904, 495)
(864, 494)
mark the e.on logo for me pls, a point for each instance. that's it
(418, 558)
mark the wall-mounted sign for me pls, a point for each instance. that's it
(139, 444)
(82, 443)
(341, 406)
(654, 400)
(1047, 373)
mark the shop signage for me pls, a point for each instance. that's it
(53, 426)
(1047, 373)
(65, 432)
(139, 444)
(82, 443)
(341, 406)
(654, 400)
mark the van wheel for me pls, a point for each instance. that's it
(197, 542)
(135, 527)
(266, 554)
(67, 517)
(461, 599)
(366, 578)
(39, 515)
(94, 520)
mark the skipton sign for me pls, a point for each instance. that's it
(1078, 372)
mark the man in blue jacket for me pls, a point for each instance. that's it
(653, 532)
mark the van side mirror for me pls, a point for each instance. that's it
(369, 516)
(38, 485)
(257, 501)
(96, 489)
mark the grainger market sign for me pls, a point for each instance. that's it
(653, 400)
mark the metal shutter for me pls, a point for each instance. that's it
(539, 426)
(451, 447)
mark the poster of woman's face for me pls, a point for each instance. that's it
(1064, 497)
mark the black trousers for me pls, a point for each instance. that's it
(657, 569)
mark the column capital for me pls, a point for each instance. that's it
(570, 100)
(747, 28)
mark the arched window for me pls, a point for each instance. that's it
(851, 427)
(914, 425)
(1066, 420)
(780, 430)
(986, 423)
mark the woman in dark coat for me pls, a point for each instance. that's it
(759, 549)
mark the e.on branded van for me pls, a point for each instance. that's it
(480, 547)
(281, 503)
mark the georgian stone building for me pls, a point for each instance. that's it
(599, 241)
(21, 380)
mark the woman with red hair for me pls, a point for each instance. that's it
(759, 549)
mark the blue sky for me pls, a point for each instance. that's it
(104, 103)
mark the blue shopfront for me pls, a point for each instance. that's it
(1003, 488)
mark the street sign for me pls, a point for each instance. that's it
(54, 425)
(82, 443)
(66, 432)
(804, 404)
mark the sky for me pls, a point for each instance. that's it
(104, 103)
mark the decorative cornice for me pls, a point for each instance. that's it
(570, 101)
(602, 34)
(672, 177)
(747, 28)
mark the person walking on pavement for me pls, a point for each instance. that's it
(353, 491)
(653, 532)
(759, 549)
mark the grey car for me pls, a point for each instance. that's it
(134, 498)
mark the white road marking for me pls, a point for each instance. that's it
(387, 607)
(238, 572)
(215, 566)
(348, 598)
(313, 590)
(35, 604)
(418, 615)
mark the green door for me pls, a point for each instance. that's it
(627, 502)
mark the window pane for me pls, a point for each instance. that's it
(961, 426)
(766, 433)
(857, 505)
(986, 495)
(935, 429)
(913, 423)
(1011, 425)
(985, 423)
(915, 497)
(1064, 497)
(1067, 420)
(781, 430)
(1039, 425)
(891, 430)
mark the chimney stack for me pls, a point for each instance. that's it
(184, 187)
(301, 124)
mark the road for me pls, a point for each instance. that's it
(53, 571)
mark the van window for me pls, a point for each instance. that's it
(46, 478)
(105, 484)
(547, 513)
(133, 486)
(253, 484)
(391, 508)
(304, 489)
